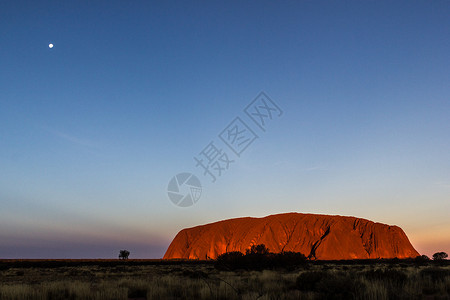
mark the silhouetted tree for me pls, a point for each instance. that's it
(440, 256)
(424, 257)
(233, 255)
(257, 249)
(123, 254)
(421, 259)
(258, 257)
(230, 261)
(290, 258)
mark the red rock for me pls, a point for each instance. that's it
(317, 236)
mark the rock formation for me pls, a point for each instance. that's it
(316, 236)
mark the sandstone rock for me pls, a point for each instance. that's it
(316, 236)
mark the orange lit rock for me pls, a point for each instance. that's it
(316, 236)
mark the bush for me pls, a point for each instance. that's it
(230, 261)
(123, 254)
(435, 273)
(388, 275)
(422, 259)
(258, 258)
(260, 249)
(230, 256)
(339, 286)
(308, 281)
(135, 292)
(440, 256)
(290, 257)
(330, 285)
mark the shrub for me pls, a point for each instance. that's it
(260, 249)
(339, 286)
(308, 281)
(135, 292)
(421, 259)
(230, 261)
(228, 256)
(392, 276)
(331, 285)
(440, 256)
(435, 273)
(290, 257)
(123, 254)
(258, 258)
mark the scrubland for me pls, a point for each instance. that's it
(133, 279)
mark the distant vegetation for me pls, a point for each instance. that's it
(259, 257)
(123, 254)
(440, 256)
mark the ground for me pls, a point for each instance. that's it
(158, 279)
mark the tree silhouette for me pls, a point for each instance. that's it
(258, 257)
(260, 249)
(123, 254)
(440, 256)
(421, 259)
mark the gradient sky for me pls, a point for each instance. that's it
(92, 130)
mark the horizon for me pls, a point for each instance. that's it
(106, 107)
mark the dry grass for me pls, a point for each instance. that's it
(203, 281)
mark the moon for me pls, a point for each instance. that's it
(50, 46)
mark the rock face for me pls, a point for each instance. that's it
(316, 236)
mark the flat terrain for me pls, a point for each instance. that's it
(162, 279)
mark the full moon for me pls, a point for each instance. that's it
(50, 46)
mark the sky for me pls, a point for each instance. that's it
(93, 129)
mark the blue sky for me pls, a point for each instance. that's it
(92, 130)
